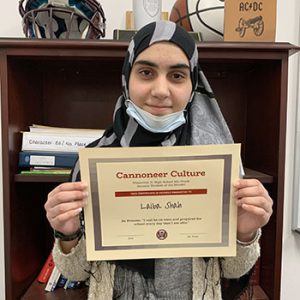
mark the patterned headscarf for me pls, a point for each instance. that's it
(126, 131)
(162, 31)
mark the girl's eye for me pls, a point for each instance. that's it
(178, 76)
(145, 73)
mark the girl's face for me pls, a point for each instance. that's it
(160, 81)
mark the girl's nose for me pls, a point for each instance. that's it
(160, 88)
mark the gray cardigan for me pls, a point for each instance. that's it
(205, 277)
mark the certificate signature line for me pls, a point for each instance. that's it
(122, 235)
(188, 233)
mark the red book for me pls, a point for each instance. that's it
(46, 270)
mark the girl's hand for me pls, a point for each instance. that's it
(254, 207)
(64, 205)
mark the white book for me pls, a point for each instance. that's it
(79, 131)
(52, 281)
(60, 142)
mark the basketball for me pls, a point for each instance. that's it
(203, 16)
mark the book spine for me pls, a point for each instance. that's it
(47, 159)
(73, 284)
(51, 284)
(46, 172)
(46, 270)
(63, 143)
(56, 279)
(61, 281)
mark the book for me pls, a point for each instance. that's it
(46, 158)
(59, 142)
(59, 139)
(79, 131)
(53, 278)
(46, 171)
(66, 284)
(52, 281)
(71, 284)
(61, 281)
(47, 269)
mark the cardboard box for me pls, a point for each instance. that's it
(247, 21)
(130, 19)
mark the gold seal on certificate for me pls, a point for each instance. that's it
(160, 202)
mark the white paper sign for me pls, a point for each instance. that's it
(146, 11)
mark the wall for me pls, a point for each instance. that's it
(288, 15)
(288, 30)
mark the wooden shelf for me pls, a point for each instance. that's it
(264, 178)
(41, 178)
(37, 291)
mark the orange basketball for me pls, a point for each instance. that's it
(179, 14)
(203, 16)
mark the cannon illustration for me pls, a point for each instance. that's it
(256, 23)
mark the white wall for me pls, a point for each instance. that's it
(288, 15)
(288, 30)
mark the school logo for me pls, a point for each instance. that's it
(151, 7)
(161, 234)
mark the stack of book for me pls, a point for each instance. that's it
(53, 150)
(52, 277)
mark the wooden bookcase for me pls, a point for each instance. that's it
(76, 84)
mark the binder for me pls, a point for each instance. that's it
(47, 159)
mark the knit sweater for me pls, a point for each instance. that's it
(206, 283)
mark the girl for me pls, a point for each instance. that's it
(166, 101)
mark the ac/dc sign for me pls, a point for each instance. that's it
(250, 21)
(251, 6)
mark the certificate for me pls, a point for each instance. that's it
(159, 202)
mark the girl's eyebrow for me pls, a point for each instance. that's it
(180, 66)
(145, 62)
(152, 64)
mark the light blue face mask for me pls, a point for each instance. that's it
(154, 123)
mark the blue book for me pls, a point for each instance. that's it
(70, 284)
(61, 281)
(47, 159)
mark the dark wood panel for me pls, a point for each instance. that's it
(31, 237)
